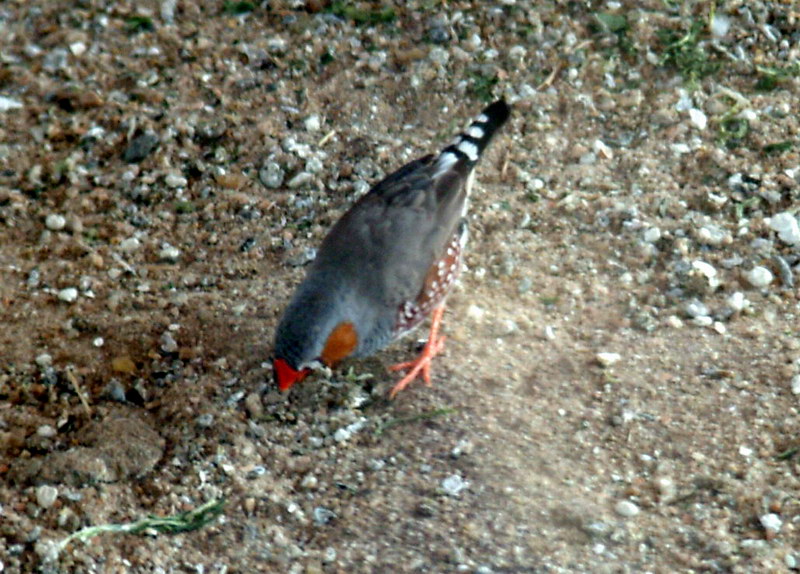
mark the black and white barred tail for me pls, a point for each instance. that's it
(469, 145)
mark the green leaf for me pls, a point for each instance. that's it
(136, 24)
(778, 147)
(237, 8)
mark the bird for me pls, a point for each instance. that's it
(387, 264)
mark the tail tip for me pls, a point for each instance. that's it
(497, 112)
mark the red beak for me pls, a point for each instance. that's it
(286, 376)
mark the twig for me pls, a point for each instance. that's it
(75, 385)
(326, 138)
(183, 522)
(414, 418)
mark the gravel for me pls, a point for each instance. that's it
(168, 170)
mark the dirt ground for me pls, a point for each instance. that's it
(620, 386)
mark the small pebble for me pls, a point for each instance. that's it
(720, 25)
(9, 104)
(759, 277)
(301, 178)
(475, 313)
(46, 431)
(44, 360)
(314, 165)
(703, 321)
(675, 322)
(256, 472)
(115, 391)
(205, 420)
(786, 226)
(130, 244)
(652, 234)
(323, 515)
(344, 434)
(713, 235)
(695, 308)
(46, 495)
(698, 118)
(771, 522)
(169, 253)
(68, 295)
(175, 180)
(140, 147)
(608, 359)
(796, 385)
(626, 508)
(737, 302)
(312, 123)
(453, 485)
(271, 175)
(666, 488)
(168, 343)
(46, 550)
(55, 222)
(309, 481)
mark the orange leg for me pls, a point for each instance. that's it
(422, 363)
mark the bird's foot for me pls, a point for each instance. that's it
(422, 364)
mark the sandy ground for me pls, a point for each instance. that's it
(619, 391)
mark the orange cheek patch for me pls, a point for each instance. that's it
(341, 342)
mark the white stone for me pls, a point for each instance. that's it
(129, 245)
(713, 235)
(68, 295)
(439, 55)
(675, 322)
(175, 180)
(454, 484)
(736, 301)
(720, 25)
(8, 104)
(608, 359)
(786, 226)
(652, 234)
(695, 308)
(309, 481)
(475, 313)
(759, 277)
(301, 178)
(698, 118)
(706, 270)
(46, 495)
(626, 508)
(312, 123)
(795, 385)
(55, 222)
(680, 148)
(77, 48)
(666, 488)
(771, 522)
(314, 165)
(169, 253)
(602, 150)
(703, 321)
(46, 431)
